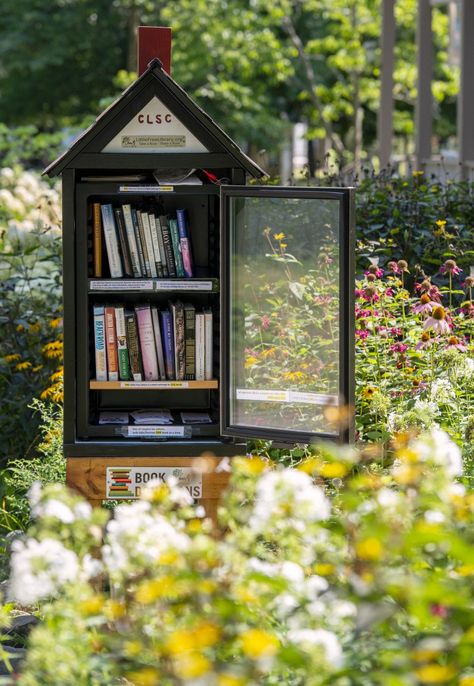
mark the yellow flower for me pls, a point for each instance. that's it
(91, 606)
(440, 222)
(54, 323)
(369, 549)
(279, 236)
(466, 681)
(38, 368)
(417, 173)
(34, 328)
(12, 358)
(333, 470)
(257, 643)
(20, 328)
(230, 680)
(180, 641)
(435, 674)
(132, 648)
(250, 361)
(252, 466)
(324, 569)
(144, 677)
(368, 392)
(465, 570)
(150, 591)
(57, 376)
(114, 609)
(283, 245)
(206, 634)
(191, 665)
(424, 654)
(21, 366)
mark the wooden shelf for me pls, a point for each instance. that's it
(151, 385)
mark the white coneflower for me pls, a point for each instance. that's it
(437, 320)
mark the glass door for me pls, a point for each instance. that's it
(287, 311)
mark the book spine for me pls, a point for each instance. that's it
(147, 342)
(200, 346)
(111, 242)
(132, 241)
(161, 245)
(133, 345)
(165, 229)
(168, 342)
(156, 246)
(208, 345)
(122, 347)
(179, 345)
(190, 341)
(178, 260)
(97, 240)
(158, 343)
(138, 240)
(119, 222)
(141, 231)
(99, 341)
(185, 243)
(149, 244)
(111, 340)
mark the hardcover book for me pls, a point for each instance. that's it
(111, 341)
(158, 342)
(166, 322)
(133, 345)
(147, 342)
(97, 240)
(149, 243)
(165, 230)
(156, 246)
(190, 341)
(185, 242)
(111, 241)
(161, 245)
(200, 353)
(178, 260)
(122, 347)
(99, 341)
(177, 310)
(132, 241)
(122, 232)
(138, 240)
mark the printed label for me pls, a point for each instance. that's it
(153, 141)
(257, 394)
(154, 384)
(307, 397)
(149, 431)
(123, 483)
(313, 398)
(167, 285)
(146, 189)
(122, 285)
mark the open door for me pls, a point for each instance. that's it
(287, 280)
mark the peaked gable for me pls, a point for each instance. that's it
(154, 115)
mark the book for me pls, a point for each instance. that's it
(166, 322)
(149, 243)
(156, 245)
(122, 347)
(111, 342)
(161, 245)
(141, 232)
(185, 242)
(111, 241)
(122, 233)
(178, 260)
(158, 342)
(133, 345)
(200, 341)
(165, 230)
(138, 240)
(177, 311)
(97, 240)
(147, 342)
(132, 241)
(190, 341)
(99, 342)
(208, 344)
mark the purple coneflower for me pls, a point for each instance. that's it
(450, 267)
(454, 343)
(425, 305)
(418, 386)
(437, 321)
(425, 341)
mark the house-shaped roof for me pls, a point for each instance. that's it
(153, 116)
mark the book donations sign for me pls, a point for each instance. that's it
(125, 483)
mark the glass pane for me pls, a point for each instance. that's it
(284, 330)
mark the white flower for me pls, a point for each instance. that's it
(34, 493)
(39, 569)
(438, 448)
(442, 390)
(262, 567)
(434, 516)
(292, 572)
(315, 585)
(177, 494)
(83, 510)
(287, 496)
(54, 508)
(388, 498)
(308, 639)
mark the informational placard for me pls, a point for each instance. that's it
(124, 483)
(182, 285)
(154, 384)
(150, 431)
(274, 396)
(146, 189)
(155, 129)
(121, 285)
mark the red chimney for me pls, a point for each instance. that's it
(154, 41)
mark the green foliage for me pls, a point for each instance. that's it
(30, 304)
(370, 586)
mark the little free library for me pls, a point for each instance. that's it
(199, 311)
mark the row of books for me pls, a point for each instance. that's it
(141, 244)
(148, 344)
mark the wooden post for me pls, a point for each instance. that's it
(466, 88)
(424, 101)
(153, 41)
(385, 116)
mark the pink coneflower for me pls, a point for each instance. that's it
(362, 333)
(376, 271)
(393, 267)
(424, 286)
(434, 293)
(418, 386)
(425, 341)
(403, 266)
(265, 323)
(399, 348)
(450, 267)
(454, 343)
(437, 321)
(425, 305)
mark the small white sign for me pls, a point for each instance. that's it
(121, 285)
(313, 398)
(154, 384)
(258, 394)
(124, 483)
(150, 431)
(172, 285)
(146, 189)
(273, 396)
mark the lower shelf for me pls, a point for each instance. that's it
(122, 432)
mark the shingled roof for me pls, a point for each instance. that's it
(155, 81)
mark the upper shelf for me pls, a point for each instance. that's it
(193, 285)
(151, 385)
